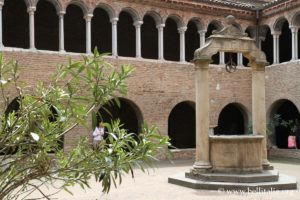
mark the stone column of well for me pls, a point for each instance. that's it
(202, 37)
(160, 29)
(202, 115)
(239, 59)
(88, 33)
(1, 32)
(137, 25)
(258, 106)
(114, 22)
(294, 30)
(222, 58)
(31, 11)
(181, 32)
(61, 31)
(276, 35)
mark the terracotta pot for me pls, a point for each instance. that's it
(292, 142)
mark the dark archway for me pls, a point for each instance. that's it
(46, 26)
(15, 24)
(101, 31)
(287, 111)
(128, 113)
(267, 45)
(149, 36)
(192, 40)
(212, 27)
(171, 41)
(231, 121)
(182, 125)
(74, 29)
(126, 35)
(285, 43)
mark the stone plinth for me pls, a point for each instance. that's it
(236, 154)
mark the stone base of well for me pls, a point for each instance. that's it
(221, 182)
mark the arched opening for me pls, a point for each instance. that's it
(287, 111)
(15, 24)
(101, 31)
(182, 125)
(192, 40)
(212, 27)
(267, 44)
(128, 114)
(171, 41)
(285, 43)
(46, 26)
(149, 36)
(126, 35)
(231, 121)
(74, 29)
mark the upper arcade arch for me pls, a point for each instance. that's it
(157, 18)
(110, 11)
(132, 12)
(176, 18)
(56, 3)
(78, 3)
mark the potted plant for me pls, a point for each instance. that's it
(292, 125)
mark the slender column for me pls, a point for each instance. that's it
(31, 11)
(202, 37)
(114, 22)
(160, 29)
(276, 47)
(222, 58)
(1, 32)
(61, 31)
(202, 115)
(137, 25)
(181, 32)
(239, 59)
(88, 34)
(294, 30)
(258, 106)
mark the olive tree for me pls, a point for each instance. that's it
(30, 136)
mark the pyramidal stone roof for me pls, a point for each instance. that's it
(247, 4)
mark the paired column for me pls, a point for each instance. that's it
(202, 115)
(61, 31)
(202, 37)
(276, 35)
(138, 48)
(294, 30)
(31, 11)
(160, 29)
(258, 106)
(114, 22)
(239, 59)
(222, 58)
(1, 33)
(181, 32)
(88, 33)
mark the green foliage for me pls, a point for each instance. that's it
(49, 111)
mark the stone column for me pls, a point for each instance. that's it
(222, 58)
(259, 106)
(88, 33)
(61, 31)
(294, 30)
(160, 29)
(138, 50)
(202, 37)
(31, 11)
(1, 32)
(202, 115)
(239, 59)
(114, 22)
(276, 35)
(181, 32)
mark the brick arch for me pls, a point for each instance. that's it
(109, 9)
(200, 25)
(295, 20)
(178, 19)
(155, 15)
(80, 4)
(277, 25)
(133, 13)
(58, 6)
(218, 24)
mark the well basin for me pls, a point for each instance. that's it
(236, 153)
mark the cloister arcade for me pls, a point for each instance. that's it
(47, 25)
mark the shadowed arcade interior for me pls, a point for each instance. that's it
(182, 125)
